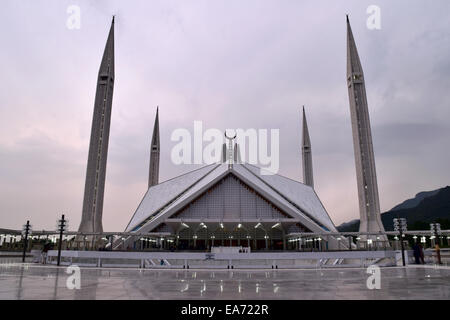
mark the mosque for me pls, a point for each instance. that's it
(230, 203)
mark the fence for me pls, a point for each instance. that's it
(280, 260)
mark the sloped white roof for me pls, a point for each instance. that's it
(162, 200)
(161, 194)
(301, 194)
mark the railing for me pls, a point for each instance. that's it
(280, 260)
(10, 240)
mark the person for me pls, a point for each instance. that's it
(44, 253)
(438, 253)
(416, 250)
(422, 259)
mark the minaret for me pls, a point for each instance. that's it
(153, 176)
(91, 220)
(306, 154)
(369, 205)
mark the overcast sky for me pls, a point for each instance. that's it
(232, 64)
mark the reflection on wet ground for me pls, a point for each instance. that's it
(32, 281)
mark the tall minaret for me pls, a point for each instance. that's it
(153, 176)
(91, 220)
(369, 205)
(306, 154)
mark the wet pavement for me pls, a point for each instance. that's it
(33, 281)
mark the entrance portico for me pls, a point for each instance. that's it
(257, 234)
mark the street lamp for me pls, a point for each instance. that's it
(435, 229)
(61, 227)
(401, 226)
(25, 232)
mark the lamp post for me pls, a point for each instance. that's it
(401, 226)
(62, 227)
(435, 229)
(25, 232)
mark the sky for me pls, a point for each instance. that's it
(228, 63)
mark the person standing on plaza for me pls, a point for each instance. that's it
(438, 253)
(421, 254)
(416, 250)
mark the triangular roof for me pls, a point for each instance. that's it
(294, 198)
(158, 196)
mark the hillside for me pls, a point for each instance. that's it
(425, 208)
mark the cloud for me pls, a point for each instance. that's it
(232, 65)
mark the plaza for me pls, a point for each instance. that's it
(30, 281)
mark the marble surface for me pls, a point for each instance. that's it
(31, 281)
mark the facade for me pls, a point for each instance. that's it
(369, 205)
(91, 220)
(230, 204)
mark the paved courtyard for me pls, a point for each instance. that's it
(33, 281)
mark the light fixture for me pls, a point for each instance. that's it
(221, 225)
(258, 225)
(239, 226)
(184, 225)
(276, 225)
